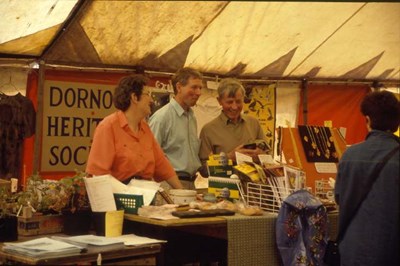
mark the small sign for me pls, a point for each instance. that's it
(328, 123)
(329, 168)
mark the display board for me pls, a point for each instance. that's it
(290, 144)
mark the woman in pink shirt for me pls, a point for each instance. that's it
(123, 144)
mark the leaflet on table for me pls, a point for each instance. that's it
(100, 193)
(93, 240)
(242, 158)
(266, 159)
(93, 243)
(134, 240)
(42, 248)
(90, 240)
(146, 188)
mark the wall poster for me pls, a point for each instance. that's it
(71, 112)
(261, 104)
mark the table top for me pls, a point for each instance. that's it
(217, 220)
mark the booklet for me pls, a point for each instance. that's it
(44, 247)
(91, 240)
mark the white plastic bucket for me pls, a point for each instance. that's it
(182, 196)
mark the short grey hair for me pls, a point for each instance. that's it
(231, 86)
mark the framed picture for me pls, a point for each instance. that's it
(295, 178)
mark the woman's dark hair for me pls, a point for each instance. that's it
(383, 109)
(128, 85)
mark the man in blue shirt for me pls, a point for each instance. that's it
(372, 235)
(175, 126)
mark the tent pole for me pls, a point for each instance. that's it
(304, 87)
(39, 116)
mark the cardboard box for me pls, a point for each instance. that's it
(40, 224)
(218, 166)
(5, 184)
(216, 185)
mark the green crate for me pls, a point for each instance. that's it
(128, 202)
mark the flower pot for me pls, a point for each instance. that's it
(77, 223)
(8, 228)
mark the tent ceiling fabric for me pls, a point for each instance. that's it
(27, 27)
(332, 40)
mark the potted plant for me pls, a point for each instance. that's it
(44, 199)
(77, 213)
(8, 218)
(44, 196)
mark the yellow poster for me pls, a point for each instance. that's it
(261, 105)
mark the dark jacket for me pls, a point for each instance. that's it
(372, 237)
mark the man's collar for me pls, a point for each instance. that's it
(228, 121)
(178, 108)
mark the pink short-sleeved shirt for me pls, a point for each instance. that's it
(118, 151)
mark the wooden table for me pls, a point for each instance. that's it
(189, 240)
(217, 220)
(205, 226)
(136, 255)
(193, 238)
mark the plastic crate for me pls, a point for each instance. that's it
(128, 202)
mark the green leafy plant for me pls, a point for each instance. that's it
(8, 204)
(44, 195)
(76, 189)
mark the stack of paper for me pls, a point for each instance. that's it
(101, 191)
(86, 240)
(42, 248)
(100, 194)
(89, 241)
(93, 243)
(134, 240)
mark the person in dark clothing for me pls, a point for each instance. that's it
(372, 235)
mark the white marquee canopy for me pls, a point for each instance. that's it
(254, 40)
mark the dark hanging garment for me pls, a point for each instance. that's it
(17, 122)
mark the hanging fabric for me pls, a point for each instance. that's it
(17, 122)
(302, 229)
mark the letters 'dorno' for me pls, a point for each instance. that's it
(71, 112)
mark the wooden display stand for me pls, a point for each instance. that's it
(292, 148)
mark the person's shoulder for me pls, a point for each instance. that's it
(161, 112)
(355, 149)
(212, 122)
(108, 122)
(109, 119)
(250, 119)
